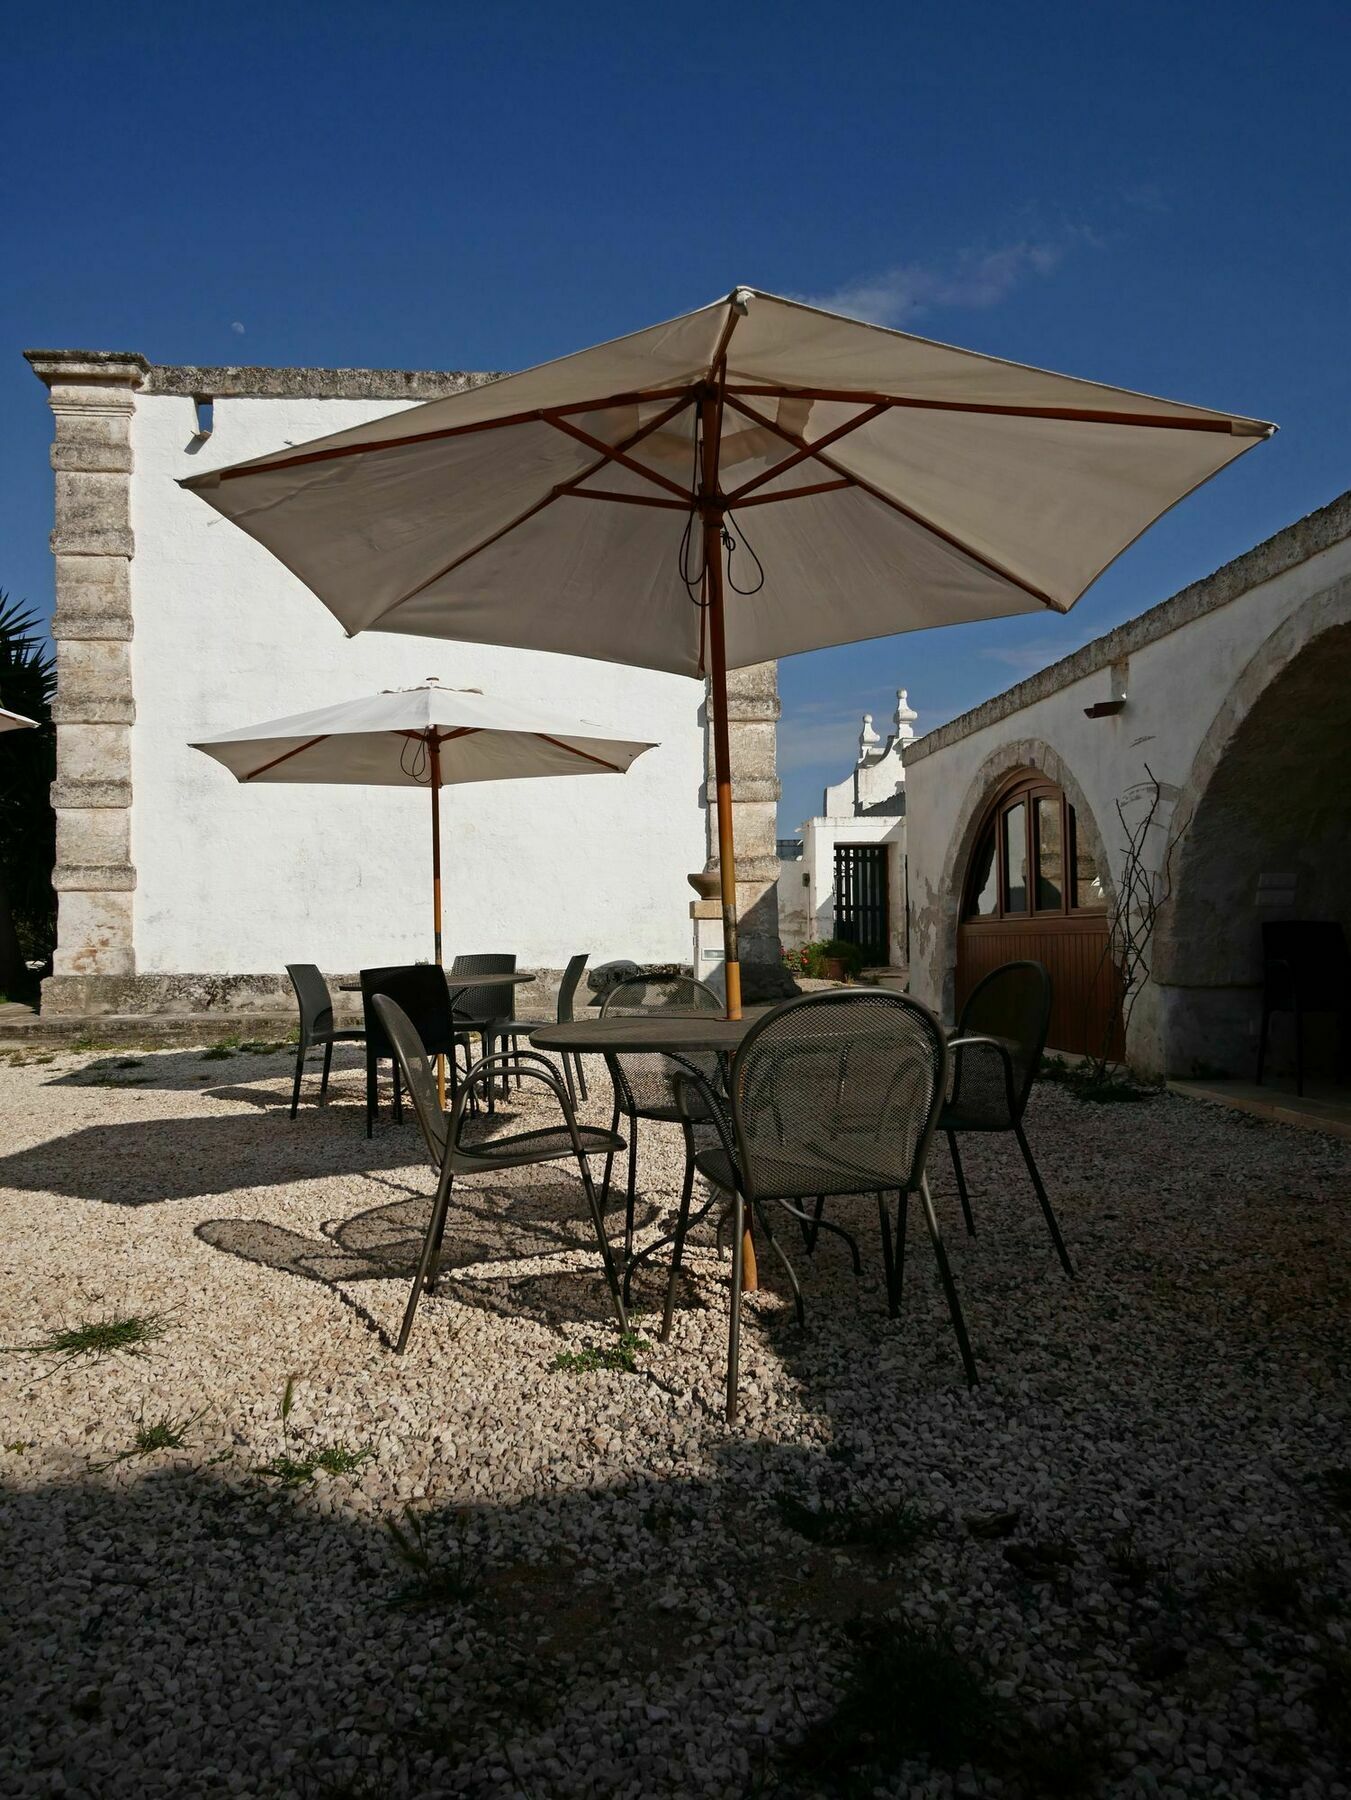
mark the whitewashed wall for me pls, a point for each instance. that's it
(242, 880)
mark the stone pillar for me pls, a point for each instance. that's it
(752, 717)
(93, 397)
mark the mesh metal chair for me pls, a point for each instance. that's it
(513, 1030)
(451, 1156)
(829, 1094)
(419, 990)
(485, 1011)
(644, 1084)
(316, 1025)
(1306, 968)
(995, 1054)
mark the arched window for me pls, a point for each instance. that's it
(1032, 889)
(1029, 861)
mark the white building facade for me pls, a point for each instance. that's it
(848, 875)
(180, 890)
(1199, 755)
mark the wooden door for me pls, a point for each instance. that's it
(1033, 891)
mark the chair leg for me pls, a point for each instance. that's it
(606, 1255)
(949, 1287)
(1262, 1042)
(610, 1156)
(811, 1230)
(301, 1048)
(777, 1247)
(960, 1173)
(372, 1091)
(435, 1227)
(898, 1255)
(1040, 1190)
(328, 1064)
(568, 1081)
(682, 1226)
(631, 1197)
(734, 1321)
(581, 1076)
(398, 1094)
(888, 1260)
(1299, 1050)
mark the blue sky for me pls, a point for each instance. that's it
(1153, 195)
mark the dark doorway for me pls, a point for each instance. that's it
(862, 909)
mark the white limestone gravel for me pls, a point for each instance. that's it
(1135, 1529)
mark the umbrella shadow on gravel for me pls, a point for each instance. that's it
(156, 1159)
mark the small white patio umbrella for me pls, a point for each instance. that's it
(427, 736)
(749, 480)
(12, 721)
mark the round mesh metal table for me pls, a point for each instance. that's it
(651, 1034)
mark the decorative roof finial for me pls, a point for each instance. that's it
(905, 715)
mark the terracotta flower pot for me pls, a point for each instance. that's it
(832, 968)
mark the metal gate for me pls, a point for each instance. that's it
(861, 908)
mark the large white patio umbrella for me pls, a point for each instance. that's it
(751, 479)
(427, 736)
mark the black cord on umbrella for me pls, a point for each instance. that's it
(414, 759)
(732, 544)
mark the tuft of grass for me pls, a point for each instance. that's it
(164, 1433)
(1104, 1085)
(290, 1471)
(98, 1338)
(896, 1528)
(260, 1047)
(434, 1582)
(621, 1356)
(218, 1053)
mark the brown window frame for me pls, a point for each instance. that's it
(1025, 790)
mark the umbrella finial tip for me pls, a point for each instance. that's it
(740, 298)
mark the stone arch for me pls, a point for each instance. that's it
(1266, 795)
(1008, 760)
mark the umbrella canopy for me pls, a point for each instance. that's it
(752, 479)
(385, 740)
(12, 721)
(427, 736)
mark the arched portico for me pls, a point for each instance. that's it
(1267, 835)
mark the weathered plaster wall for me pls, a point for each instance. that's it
(807, 910)
(180, 890)
(1192, 670)
(243, 879)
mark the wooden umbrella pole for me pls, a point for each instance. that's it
(722, 752)
(434, 751)
(711, 508)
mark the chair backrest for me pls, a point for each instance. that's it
(1308, 959)
(680, 994)
(643, 1080)
(406, 1045)
(313, 998)
(1012, 1003)
(567, 987)
(838, 1093)
(484, 1002)
(419, 991)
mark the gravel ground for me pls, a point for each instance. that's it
(1119, 1567)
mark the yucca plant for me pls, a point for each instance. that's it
(27, 822)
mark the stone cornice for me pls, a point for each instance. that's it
(221, 381)
(1319, 531)
(224, 382)
(83, 368)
